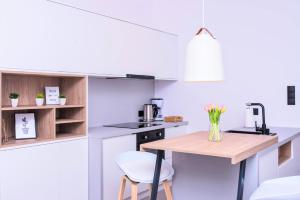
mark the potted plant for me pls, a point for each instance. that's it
(62, 100)
(39, 99)
(14, 97)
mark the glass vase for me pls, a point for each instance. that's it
(215, 134)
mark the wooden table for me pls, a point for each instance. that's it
(234, 146)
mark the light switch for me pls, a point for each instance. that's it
(291, 95)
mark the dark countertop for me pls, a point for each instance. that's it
(109, 132)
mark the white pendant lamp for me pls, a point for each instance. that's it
(204, 57)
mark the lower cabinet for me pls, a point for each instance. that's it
(112, 147)
(173, 132)
(46, 171)
(268, 165)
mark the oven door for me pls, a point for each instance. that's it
(149, 136)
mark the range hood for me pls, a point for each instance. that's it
(133, 76)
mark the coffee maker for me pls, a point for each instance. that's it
(159, 102)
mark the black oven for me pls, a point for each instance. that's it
(149, 136)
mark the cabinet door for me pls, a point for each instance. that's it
(173, 132)
(73, 170)
(268, 165)
(112, 147)
(42, 35)
(30, 173)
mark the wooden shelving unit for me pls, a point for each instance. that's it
(52, 121)
(284, 152)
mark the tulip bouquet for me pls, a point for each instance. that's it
(214, 113)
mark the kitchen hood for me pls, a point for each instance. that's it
(133, 76)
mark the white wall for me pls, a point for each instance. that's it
(261, 45)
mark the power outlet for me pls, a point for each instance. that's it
(291, 95)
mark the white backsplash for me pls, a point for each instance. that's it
(117, 100)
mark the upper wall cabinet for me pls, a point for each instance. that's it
(46, 36)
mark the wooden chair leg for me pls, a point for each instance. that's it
(150, 190)
(122, 188)
(167, 189)
(134, 191)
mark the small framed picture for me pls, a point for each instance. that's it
(25, 126)
(52, 95)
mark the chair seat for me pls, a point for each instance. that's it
(139, 166)
(287, 188)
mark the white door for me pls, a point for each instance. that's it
(112, 147)
(30, 173)
(73, 170)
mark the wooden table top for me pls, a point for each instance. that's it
(234, 146)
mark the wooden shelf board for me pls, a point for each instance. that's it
(283, 159)
(68, 106)
(41, 74)
(13, 142)
(68, 121)
(6, 108)
(68, 135)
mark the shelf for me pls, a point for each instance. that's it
(284, 153)
(40, 107)
(68, 121)
(12, 142)
(50, 120)
(68, 135)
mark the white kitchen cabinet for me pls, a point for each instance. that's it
(173, 132)
(73, 170)
(30, 173)
(268, 165)
(45, 36)
(46, 171)
(112, 147)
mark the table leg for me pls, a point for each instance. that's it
(241, 180)
(159, 157)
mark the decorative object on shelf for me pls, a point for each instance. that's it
(52, 95)
(4, 131)
(214, 113)
(14, 97)
(62, 100)
(25, 126)
(39, 99)
(203, 57)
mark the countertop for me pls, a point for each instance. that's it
(245, 145)
(284, 134)
(109, 132)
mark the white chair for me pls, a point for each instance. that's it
(287, 188)
(138, 167)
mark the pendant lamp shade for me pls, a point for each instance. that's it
(204, 58)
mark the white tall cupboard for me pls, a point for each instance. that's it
(45, 171)
(45, 36)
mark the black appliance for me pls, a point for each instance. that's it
(149, 136)
(133, 125)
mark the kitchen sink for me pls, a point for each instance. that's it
(247, 132)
